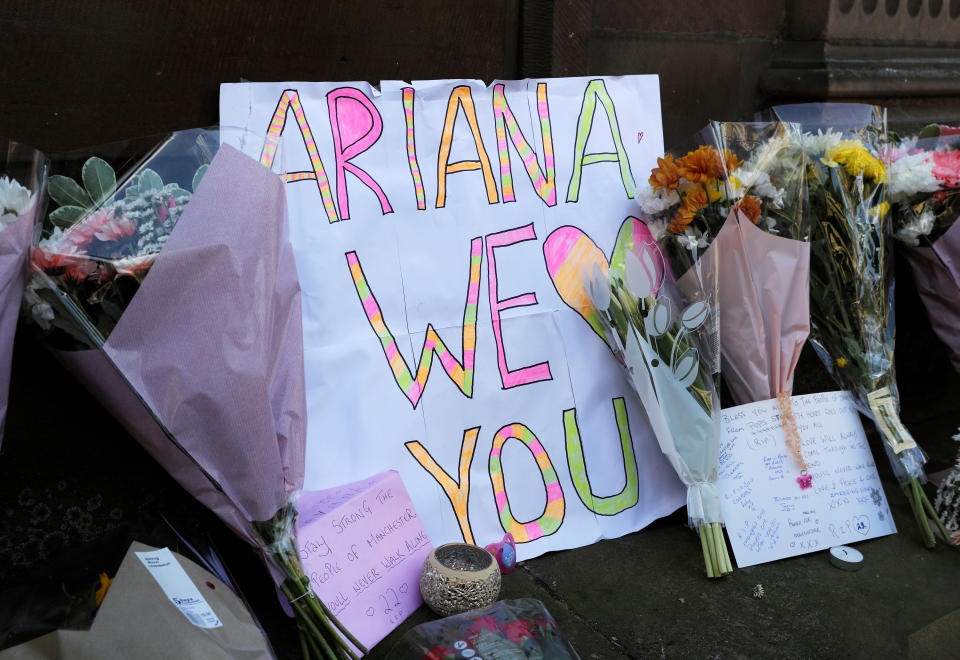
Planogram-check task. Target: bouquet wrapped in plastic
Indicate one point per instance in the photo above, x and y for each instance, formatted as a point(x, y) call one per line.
point(174, 298)
point(22, 178)
point(851, 280)
point(764, 260)
point(519, 629)
point(924, 196)
point(664, 331)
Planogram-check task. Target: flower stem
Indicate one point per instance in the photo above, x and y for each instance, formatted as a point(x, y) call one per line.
point(304, 649)
point(353, 640)
point(933, 513)
point(706, 552)
point(925, 534)
point(315, 635)
point(727, 565)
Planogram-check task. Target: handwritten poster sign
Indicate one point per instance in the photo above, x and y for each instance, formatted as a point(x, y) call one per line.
point(435, 225)
point(768, 515)
point(362, 546)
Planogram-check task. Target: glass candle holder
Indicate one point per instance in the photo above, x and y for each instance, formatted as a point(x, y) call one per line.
point(458, 577)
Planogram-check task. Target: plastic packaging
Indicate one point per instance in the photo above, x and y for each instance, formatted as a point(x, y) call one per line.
point(851, 280)
point(764, 259)
point(924, 204)
point(23, 173)
point(507, 630)
point(176, 302)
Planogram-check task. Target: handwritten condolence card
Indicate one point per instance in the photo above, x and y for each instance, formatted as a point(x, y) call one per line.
point(769, 515)
point(363, 546)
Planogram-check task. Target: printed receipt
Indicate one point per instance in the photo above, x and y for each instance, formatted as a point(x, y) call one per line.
point(767, 515)
point(179, 588)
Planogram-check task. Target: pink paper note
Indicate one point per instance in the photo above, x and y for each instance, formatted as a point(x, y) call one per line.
point(363, 547)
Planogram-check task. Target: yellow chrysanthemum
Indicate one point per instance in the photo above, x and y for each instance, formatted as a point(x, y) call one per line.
point(841, 362)
point(881, 209)
point(856, 160)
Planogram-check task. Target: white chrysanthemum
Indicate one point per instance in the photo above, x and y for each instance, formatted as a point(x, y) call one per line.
point(911, 232)
point(654, 202)
point(910, 175)
point(819, 143)
point(14, 198)
point(758, 184)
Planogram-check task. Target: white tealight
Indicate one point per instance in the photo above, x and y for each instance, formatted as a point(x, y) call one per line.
point(846, 558)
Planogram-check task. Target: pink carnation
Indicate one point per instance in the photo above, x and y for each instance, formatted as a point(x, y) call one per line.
point(49, 257)
point(134, 266)
point(115, 229)
point(946, 167)
point(82, 233)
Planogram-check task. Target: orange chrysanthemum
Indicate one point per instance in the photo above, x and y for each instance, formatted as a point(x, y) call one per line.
point(701, 165)
point(750, 207)
point(694, 200)
point(730, 160)
point(665, 176)
point(679, 223)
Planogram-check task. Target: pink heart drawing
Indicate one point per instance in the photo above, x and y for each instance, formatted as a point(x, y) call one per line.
point(571, 255)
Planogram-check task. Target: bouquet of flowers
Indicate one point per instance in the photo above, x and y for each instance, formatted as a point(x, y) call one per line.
point(851, 292)
point(170, 291)
point(924, 196)
point(22, 178)
point(764, 260)
point(519, 629)
point(664, 331)
point(688, 197)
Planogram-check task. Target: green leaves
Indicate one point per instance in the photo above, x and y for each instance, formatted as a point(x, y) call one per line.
point(197, 176)
point(65, 216)
point(67, 192)
point(98, 178)
point(99, 181)
point(150, 180)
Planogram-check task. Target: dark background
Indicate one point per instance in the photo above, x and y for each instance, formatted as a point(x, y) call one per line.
point(75, 488)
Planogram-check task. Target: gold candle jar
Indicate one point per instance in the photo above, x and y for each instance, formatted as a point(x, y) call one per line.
point(458, 577)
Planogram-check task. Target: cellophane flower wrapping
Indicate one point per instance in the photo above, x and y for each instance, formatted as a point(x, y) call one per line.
point(176, 301)
point(764, 259)
point(519, 629)
point(664, 330)
point(924, 195)
point(851, 282)
point(22, 179)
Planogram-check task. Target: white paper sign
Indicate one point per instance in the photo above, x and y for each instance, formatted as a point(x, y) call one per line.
point(434, 224)
point(767, 514)
point(179, 588)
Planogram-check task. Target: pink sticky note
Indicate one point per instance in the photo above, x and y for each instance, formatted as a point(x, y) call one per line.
point(363, 547)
